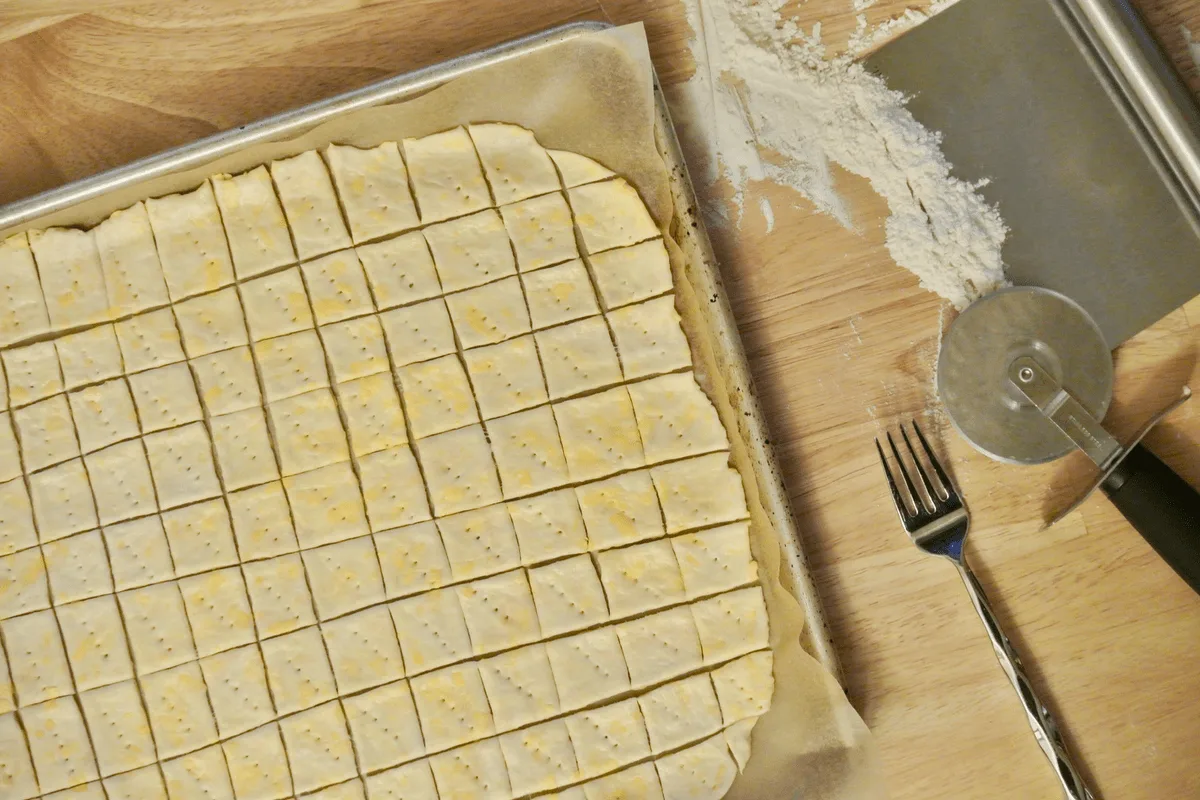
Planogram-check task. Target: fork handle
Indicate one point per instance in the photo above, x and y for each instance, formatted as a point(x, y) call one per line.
point(1045, 729)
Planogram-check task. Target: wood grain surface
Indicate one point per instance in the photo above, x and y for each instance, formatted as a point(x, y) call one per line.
point(842, 344)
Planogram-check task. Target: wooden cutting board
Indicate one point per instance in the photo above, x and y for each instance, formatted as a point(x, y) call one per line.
point(842, 343)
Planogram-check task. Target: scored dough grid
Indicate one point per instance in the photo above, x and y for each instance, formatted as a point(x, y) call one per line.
point(318, 456)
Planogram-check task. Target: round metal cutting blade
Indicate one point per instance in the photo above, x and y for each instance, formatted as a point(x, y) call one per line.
point(972, 371)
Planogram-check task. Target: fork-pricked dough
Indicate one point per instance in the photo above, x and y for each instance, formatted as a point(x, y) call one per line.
point(539, 757)
point(33, 373)
point(632, 274)
point(541, 230)
point(703, 771)
point(22, 307)
point(72, 279)
point(191, 242)
point(731, 624)
point(608, 737)
point(363, 650)
point(599, 434)
point(506, 377)
point(446, 175)
point(89, 356)
point(459, 470)
point(519, 686)
point(258, 235)
point(38, 663)
point(559, 294)
point(715, 559)
point(62, 754)
point(211, 322)
point(459, 688)
point(699, 491)
point(470, 251)
point(178, 707)
point(675, 418)
point(149, 340)
point(132, 272)
point(576, 170)
point(400, 270)
point(16, 519)
point(310, 204)
point(384, 726)
point(119, 728)
point(548, 526)
point(489, 314)
point(680, 712)
point(516, 165)
point(373, 187)
point(610, 214)
point(337, 287)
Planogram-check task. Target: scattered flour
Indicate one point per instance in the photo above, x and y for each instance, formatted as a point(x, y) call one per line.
point(766, 104)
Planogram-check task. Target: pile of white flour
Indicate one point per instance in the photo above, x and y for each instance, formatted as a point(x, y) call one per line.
point(764, 86)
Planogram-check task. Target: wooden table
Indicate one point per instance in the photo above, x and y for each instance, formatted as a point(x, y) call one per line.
point(842, 343)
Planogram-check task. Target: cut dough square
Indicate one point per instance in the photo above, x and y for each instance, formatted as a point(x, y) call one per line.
point(516, 165)
point(699, 492)
point(528, 452)
point(452, 706)
point(588, 667)
point(298, 670)
point(227, 381)
point(419, 332)
point(276, 304)
point(72, 280)
point(258, 236)
point(243, 446)
point(38, 662)
point(542, 231)
point(258, 766)
point(680, 712)
point(578, 357)
point(139, 553)
point(373, 187)
point(392, 489)
point(412, 559)
point(22, 307)
point(237, 686)
point(576, 170)
point(400, 270)
point(715, 560)
point(507, 376)
point(120, 476)
point(548, 526)
point(480, 542)
point(47, 432)
point(649, 338)
point(474, 772)
point(431, 630)
point(608, 737)
point(489, 314)
point(308, 432)
point(33, 373)
point(338, 287)
point(660, 646)
point(78, 568)
point(327, 505)
point(610, 214)
point(141, 784)
point(262, 522)
point(704, 770)
point(177, 702)
point(62, 501)
point(16, 519)
point(355, 348)
point(437, 396)
point(89, 356)
point(202, 775)
point(119, 728)
point(310, 204)
point(211, 322)
point(470, 251)
point(412, 781)
point(201, 537)
point(632, 274)
point(149, 340)
point(559, 294)
point(675, 418)
point(58, 741)
point(218, 610)
point(344, 576)
point(539, 758)
point(640, 578)
point(744, 687)
point(15, 764)
point(191, 242)
point(620, 510)
point(157, 626)
point(519, 686)
point(568, 596)
point(290, 365)
point(599, 434)
point(94, 636)
point(279, 595)
point(182, 465)
point(499, 611)
point(373, 414)
point(23, 586)
point(133, 275)
point(737, 738)
point(459, 470)
point(384, 727)
point(731, 624)
point(636, 783)
point(445, 175)
point(318, 747)
point(104, 415)
point(364, 651)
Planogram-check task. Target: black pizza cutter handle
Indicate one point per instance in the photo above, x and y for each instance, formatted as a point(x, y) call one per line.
point(1161, 506)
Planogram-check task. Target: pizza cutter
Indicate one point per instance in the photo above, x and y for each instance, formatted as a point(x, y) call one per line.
point(1026, 377)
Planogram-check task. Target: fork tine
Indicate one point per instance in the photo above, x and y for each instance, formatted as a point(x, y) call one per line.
point(901, 506)
point(934, 496)
point(951, 493)
point(918, 503)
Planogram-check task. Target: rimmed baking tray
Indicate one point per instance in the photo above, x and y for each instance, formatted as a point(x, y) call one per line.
point(686, 227)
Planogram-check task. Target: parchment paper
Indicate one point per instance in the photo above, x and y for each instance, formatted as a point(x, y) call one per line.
point(594, 95)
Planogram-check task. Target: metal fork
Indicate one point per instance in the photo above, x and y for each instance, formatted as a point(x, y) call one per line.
point(937, 523)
